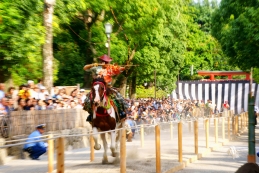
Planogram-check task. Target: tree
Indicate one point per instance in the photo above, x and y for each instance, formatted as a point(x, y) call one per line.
point(203, 51)
point(235, 25)
point(21, 38)
point(48, 45)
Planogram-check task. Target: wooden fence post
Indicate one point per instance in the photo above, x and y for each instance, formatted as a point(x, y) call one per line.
point(60, 155)
point(216, 130)
point(223, 128)
point(190, 126)
point(142, 135)
point(123, 151)
point(180, 144)
point(229, 128)
point(207, 132)
point(50, 153)
point(236, 124)
point(196, 132)
point(158, 154)
point(233, 127)
point(91, 147)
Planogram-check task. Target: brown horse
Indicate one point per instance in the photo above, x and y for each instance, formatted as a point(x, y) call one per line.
point(104, 118)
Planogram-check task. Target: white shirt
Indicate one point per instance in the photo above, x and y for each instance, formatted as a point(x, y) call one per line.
point(2, 94)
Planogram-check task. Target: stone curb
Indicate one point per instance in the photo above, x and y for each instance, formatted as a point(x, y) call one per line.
point(186, 162)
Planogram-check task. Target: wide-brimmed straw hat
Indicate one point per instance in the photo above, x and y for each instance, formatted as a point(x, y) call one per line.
point(105, 58)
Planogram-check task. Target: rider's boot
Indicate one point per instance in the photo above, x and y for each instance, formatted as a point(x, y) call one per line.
point(122, 114)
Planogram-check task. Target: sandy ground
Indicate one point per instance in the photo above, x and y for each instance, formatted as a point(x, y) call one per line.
point(139, 159)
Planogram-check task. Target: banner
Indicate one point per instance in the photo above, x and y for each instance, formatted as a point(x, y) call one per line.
point(234, 91)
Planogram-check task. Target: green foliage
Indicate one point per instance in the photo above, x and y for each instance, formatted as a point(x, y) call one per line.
point(21, 37)
point(150, 92)
point(235, 25)
point(202, 50)
point(167, 36)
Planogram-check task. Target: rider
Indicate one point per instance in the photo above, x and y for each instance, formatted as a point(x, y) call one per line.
point(105, 70)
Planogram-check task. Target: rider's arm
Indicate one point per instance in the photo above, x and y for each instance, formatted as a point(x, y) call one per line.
point(89, 66)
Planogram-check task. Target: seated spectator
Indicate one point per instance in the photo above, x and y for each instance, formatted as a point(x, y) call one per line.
point(10, 92)
point(11, 105)
point(42, 93)
point(24, 92)
point(28, 105)
point(50, 104)
point(35, 92)
point(4, 109)
point(2, 93)
point(36, 149)
point(39, 84)
point(21, 104)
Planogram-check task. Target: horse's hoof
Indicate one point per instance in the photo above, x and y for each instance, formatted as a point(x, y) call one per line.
point(98, 147)
point(114, 154)
point(116, 161)
point(105, 162)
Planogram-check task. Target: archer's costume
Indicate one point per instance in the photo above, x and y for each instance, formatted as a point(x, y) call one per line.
point(106, 72)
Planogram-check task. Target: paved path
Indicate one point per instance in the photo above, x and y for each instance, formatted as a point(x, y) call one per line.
point(219, 161)
point(142, 160)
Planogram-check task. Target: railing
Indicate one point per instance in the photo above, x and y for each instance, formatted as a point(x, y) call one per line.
point(24, 122)
point(239, 123)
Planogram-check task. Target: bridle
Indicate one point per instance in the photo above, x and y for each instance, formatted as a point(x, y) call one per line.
point(104, 87)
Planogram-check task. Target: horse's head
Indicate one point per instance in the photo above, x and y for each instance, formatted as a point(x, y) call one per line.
point(98, 91)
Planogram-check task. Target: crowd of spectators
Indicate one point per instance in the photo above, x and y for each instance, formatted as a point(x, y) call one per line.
point(33, 96)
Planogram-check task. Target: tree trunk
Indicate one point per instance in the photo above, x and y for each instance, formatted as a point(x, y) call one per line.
point(123, 84)
point(133, 86)
point(48, 45)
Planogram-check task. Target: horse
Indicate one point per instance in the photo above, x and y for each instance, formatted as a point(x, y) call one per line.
point(104, 119)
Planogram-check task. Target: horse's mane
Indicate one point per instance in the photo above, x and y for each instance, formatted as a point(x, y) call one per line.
point(100, 79)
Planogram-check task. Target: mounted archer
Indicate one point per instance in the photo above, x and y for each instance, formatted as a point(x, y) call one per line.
point(104, 70)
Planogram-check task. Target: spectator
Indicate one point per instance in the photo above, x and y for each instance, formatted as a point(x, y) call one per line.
point(21, 104)
point(28, 105)
point(132, 124)
point(42, 93)
point(50, 104)
point(4, 109)
point(40, 83)
point(10, 92)
point(83, 95)
point(2, 93)
point(24, 92)
point(11, 105)
point(36, 149)
point(129, 133)
point(73, 94)
point(36, 93)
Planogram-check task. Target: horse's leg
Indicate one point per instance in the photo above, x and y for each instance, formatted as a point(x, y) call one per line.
point(95, 136)
point(105, 158)
point(113, 149)
point(118, 137)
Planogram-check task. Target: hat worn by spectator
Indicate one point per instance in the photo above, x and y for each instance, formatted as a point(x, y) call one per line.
point(41, 126)
point(42, 87)
point(82, 90)
point(30, 81)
